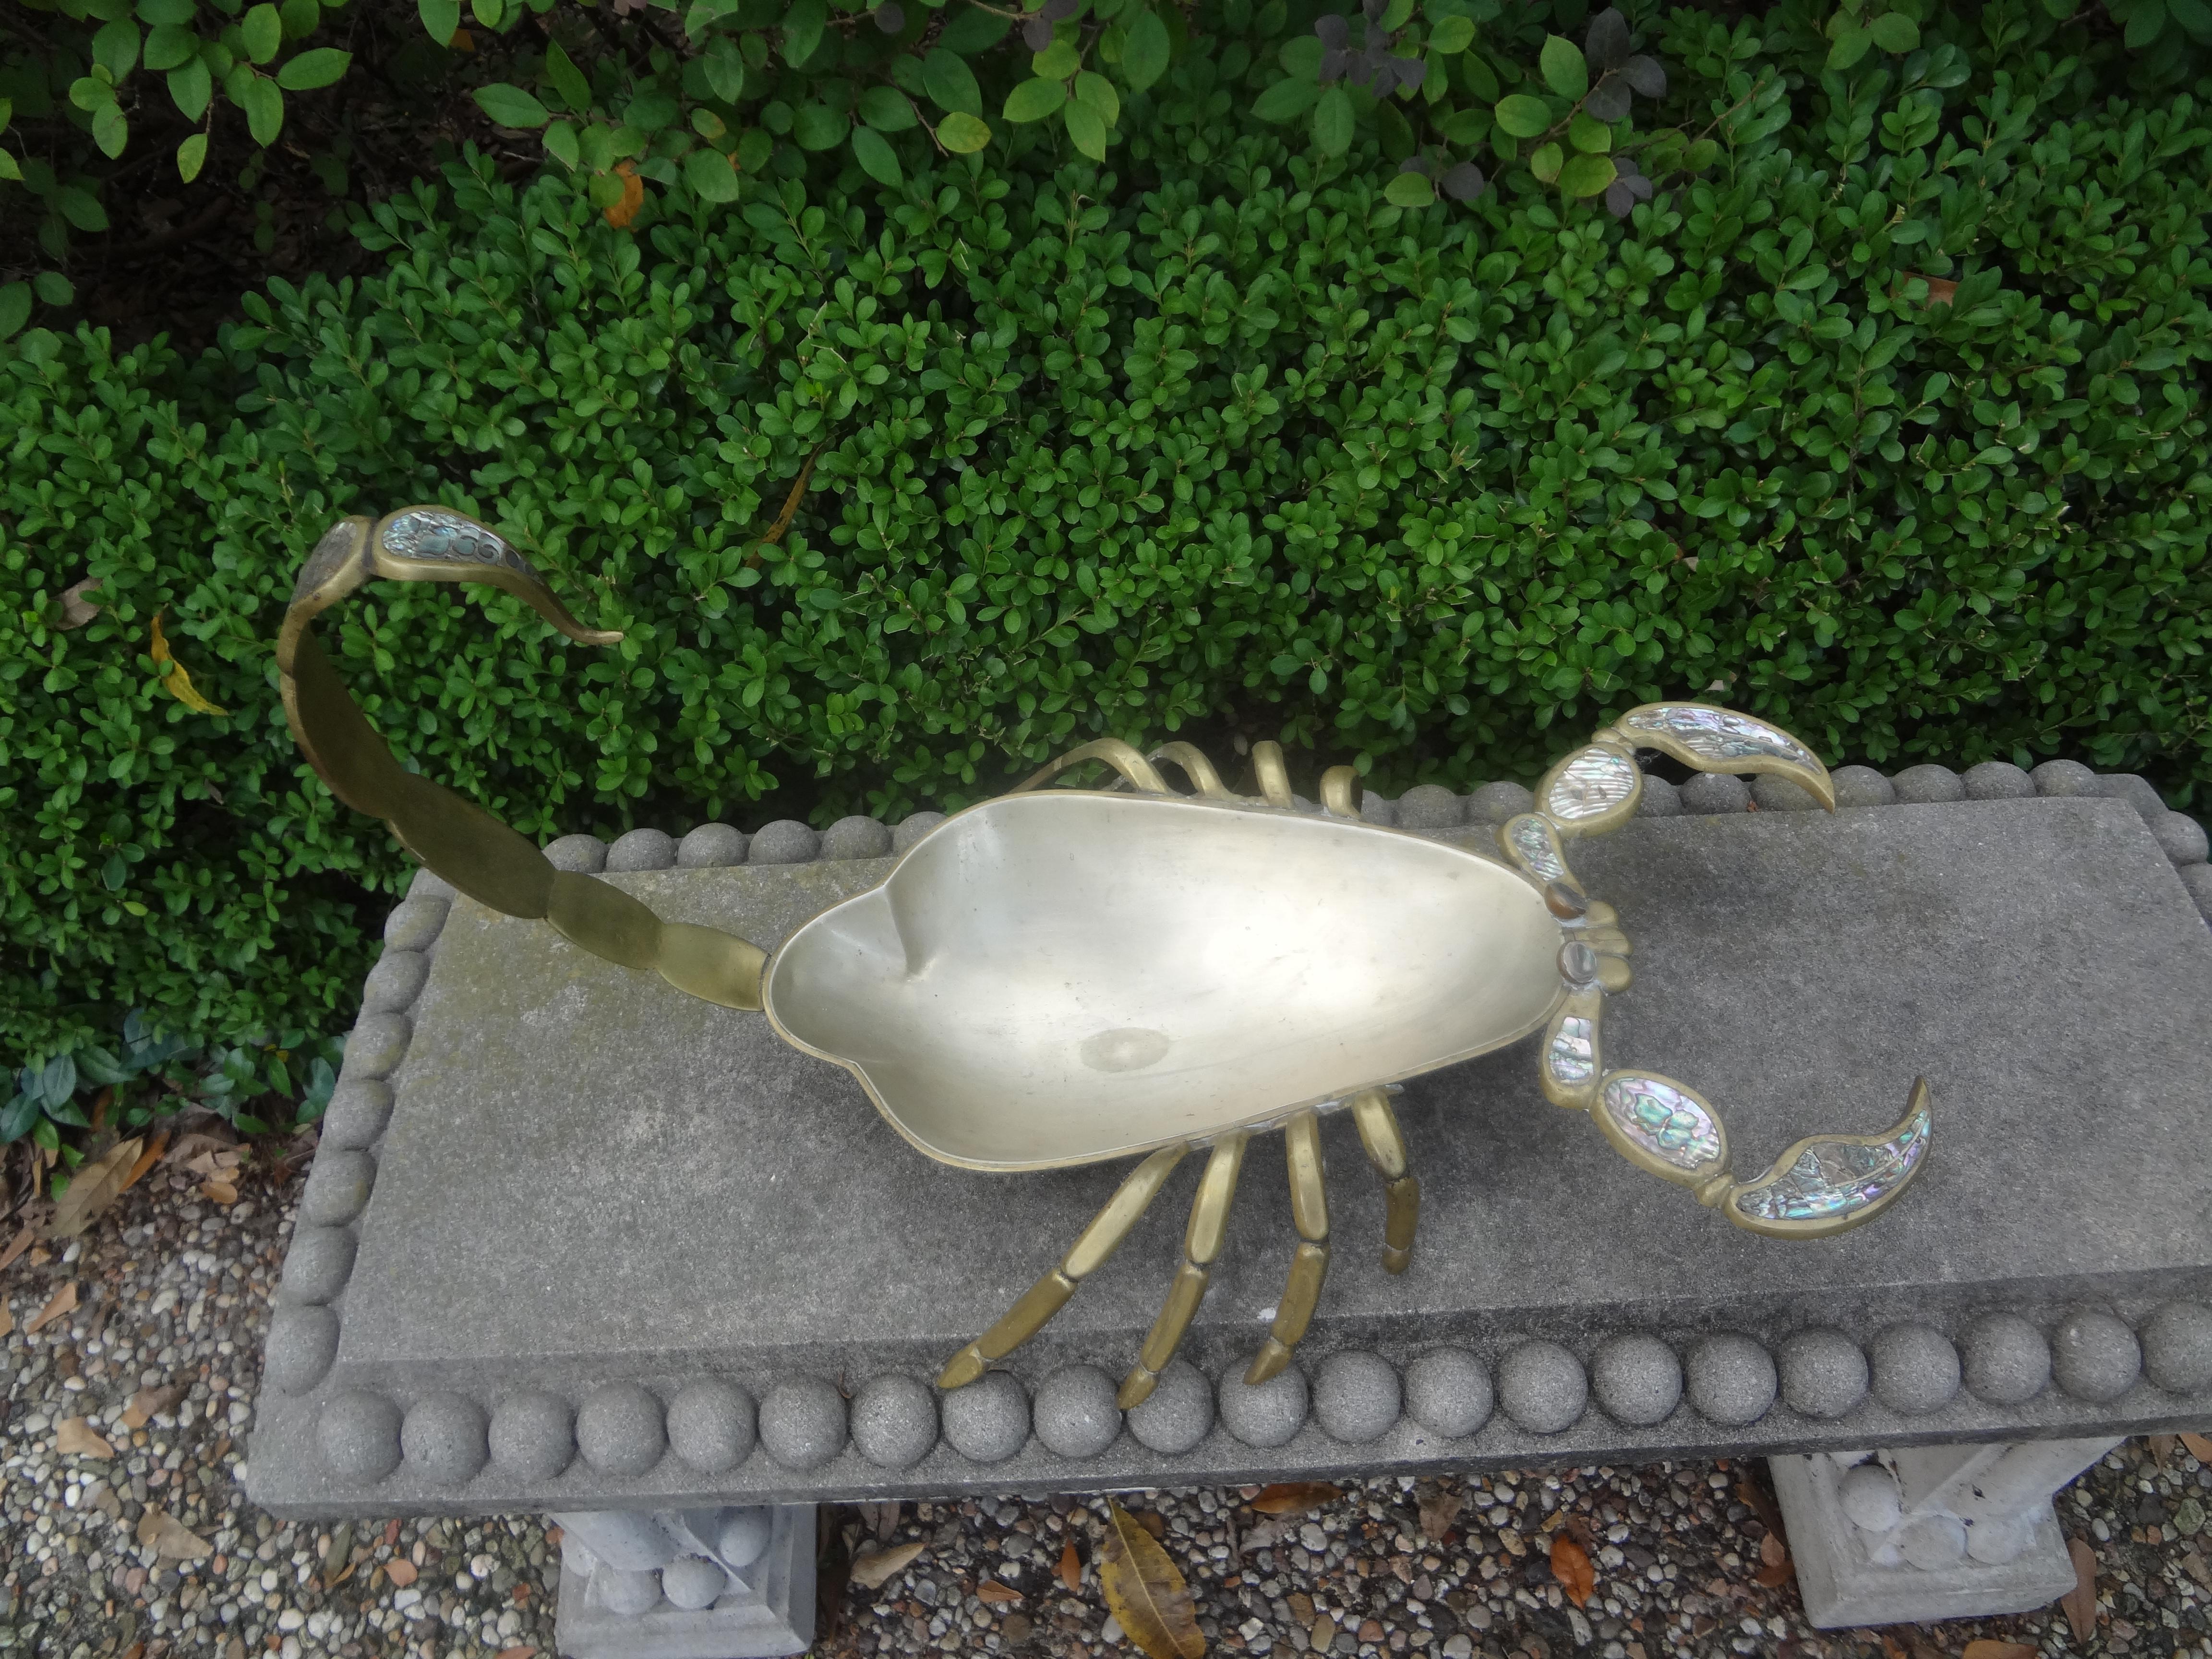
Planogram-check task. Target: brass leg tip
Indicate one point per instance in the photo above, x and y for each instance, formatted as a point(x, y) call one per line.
point(962, 1369)
point(1268, 1363)
point(1395, 1260)
point(1136, 1388)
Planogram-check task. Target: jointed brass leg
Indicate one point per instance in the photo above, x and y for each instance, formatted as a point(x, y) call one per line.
point(1310, 1209)
point(1209, 1220)
point(1050, 1294)
point(1386, 1150)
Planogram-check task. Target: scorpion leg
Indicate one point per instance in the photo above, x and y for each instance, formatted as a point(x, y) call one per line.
point(1386, 1150)
point(1050, 1294)
point(1209, 1219)
point(1309, 1209)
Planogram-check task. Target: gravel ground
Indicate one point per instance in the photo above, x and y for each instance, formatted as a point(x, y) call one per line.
point(141, 1545)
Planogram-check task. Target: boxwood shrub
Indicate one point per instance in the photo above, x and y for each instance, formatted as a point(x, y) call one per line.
point(1890, 425)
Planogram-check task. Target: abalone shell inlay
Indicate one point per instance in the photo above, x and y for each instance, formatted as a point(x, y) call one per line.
point(1720, 734)
point(427, 533)
point(1591, 784)
point(1573, 1054)
point(1663, 1120)
point(1834, 1178)
point(1536, 844)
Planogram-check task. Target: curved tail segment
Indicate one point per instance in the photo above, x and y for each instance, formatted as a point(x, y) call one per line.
point(455, 838)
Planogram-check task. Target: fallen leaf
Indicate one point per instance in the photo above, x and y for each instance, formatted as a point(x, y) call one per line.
point(190, 1146)
point(2161, 1447)
point(1001, 1595)
point(1771, 1550)
point(1942, 290)
point(1296, 1497)
point(16, 1246)
point(1301, 1608)
point(400, 1570)
point(1773, 1573)
point(2199, 1446)
point(7, 1320)
point(1016, 1628)
point(147, 1160)
point(2081, 1602)
point(174, 680)
point(1570, 1565)
point(167, 1536)
point(878, 1567)
point(1440, 1509)
point(633, 197)
point(520, 1651)
point(1144, 1590)
point(462, 40)
point(1983, 1648)
point(75, 1434)
point(62, 1303)
point(76, 609)
point(150, 1403)
point(1071, 1569)
point(92, 1188)
point(219, 1192)
point(1754, 1495)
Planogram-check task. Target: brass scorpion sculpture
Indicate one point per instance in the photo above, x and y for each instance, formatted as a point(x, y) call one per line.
point(1064, 976)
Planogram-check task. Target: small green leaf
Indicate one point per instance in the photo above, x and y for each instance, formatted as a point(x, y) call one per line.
point(89, 93)
point(192, 156)
point(1474, 74)
point(110, 130)
point(1286, 100)
point(1086, 129)
point(301, 18)
point(9, 167)
point(1301, 56)
point(440, 18)
point(1547, 161)
point(962, 133)
point(1466, 127)
point(973, 30)
point(952, 83)
point(726, 72)
point(1588, 134)
point(1097, 91)
point(165, 14)
point(190, 88)
point(14, 309)
point(802, 32)
point(115, 48)
point(263, 31)
point(1332, 122)
point(711, 177)
point(1057, 61)
point(754, 148)
point(1522, 115)
point(818, 126)
point(1409, 189)
point(1894, 32)
point(320, 66)
point(511, 106)
point(488, 12)
point(1032, 100)
point(1145, 55)
point(876, 156)
point(1565, 70)
point(1453, 35)
point(576, 92)
point(1850, 47)
point(1586, 175)
point(56, 289)
point(561, 145)
point(168, 45)
point(264, 110)
point(887, 110)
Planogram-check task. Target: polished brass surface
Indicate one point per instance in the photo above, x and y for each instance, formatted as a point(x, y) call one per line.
point(1063, 976)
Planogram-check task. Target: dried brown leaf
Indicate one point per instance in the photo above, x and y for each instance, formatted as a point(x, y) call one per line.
point(2199, 1446)
point(167, 1536)
point(150, 1403)
point(188, 1147)
point(1440, 1509)
point(77, 1435)
point(1071, 1569)
point(1570, 1565)
point(1773, 1573)
point(147, 1160)
point(2080, 1603)
point(1770, 1552)
point(76, 609)
point(2161, 1447)
point(1144, 1592)
point(633, 197)
point(94, 1187)
point(16, 1246)
point(7, 1320)
point(997, 1593)
point(1983, 1648)
point(174, 680)
point(1296, 1497)
point(878, 1567)
point(219, 1192)
point(59, 1305)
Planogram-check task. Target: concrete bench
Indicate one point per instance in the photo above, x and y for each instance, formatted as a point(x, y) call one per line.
point(574, 1243)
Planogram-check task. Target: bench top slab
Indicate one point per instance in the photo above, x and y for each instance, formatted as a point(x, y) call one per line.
point(588, 1177)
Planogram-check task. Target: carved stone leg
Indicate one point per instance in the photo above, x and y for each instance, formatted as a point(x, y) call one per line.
point(1939, 1532)
point(735, 1583)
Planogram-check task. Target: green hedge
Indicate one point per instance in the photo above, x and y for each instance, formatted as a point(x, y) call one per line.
point(1224, 440)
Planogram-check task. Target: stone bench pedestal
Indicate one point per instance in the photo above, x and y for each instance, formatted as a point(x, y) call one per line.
point(733, 1582)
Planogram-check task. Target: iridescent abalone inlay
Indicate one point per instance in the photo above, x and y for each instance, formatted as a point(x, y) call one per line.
point(1834, 1178)
point(1536, 845)
point(1591, 785)
point(1720, 734)
point(1573, 1054)
point(427, 533)
point(1663, 1120)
